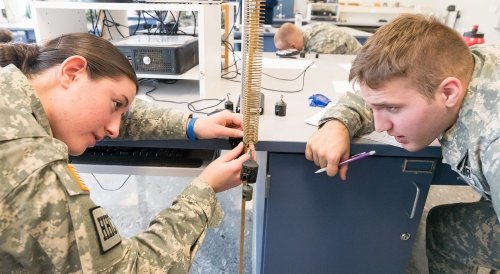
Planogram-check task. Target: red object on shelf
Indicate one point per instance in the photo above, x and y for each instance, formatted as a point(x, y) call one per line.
point(474, 37)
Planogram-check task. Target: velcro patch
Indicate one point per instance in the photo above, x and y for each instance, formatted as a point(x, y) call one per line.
point(107, 233)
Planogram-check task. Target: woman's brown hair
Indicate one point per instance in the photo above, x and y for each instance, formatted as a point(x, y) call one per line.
point(103, 59)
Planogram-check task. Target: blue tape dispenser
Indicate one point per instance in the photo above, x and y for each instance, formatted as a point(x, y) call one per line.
point(318, 100)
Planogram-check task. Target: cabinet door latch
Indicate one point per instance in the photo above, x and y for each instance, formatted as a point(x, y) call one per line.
point(419, 166)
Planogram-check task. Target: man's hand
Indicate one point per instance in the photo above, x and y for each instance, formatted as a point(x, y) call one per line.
point(328, 146)
point(220, 125)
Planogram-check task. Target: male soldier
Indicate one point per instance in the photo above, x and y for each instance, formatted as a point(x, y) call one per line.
point(419, 82)
point(316, 37)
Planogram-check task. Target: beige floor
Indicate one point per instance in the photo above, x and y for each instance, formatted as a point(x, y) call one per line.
point(437, 195)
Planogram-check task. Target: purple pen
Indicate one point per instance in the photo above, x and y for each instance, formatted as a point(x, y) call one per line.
point(352, 159)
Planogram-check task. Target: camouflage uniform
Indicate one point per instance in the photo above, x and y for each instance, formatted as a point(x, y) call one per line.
point(49, 224)
point(472, 148)
point(328, 38)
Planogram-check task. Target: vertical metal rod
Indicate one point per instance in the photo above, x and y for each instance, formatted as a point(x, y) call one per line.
point(242, 233)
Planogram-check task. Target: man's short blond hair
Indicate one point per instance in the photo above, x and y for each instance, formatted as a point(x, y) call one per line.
point(286, 35)
point(415, 47)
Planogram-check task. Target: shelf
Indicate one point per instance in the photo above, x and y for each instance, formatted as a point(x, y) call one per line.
point(369, 15)
point(322, 11)
point(376, 10)
point(192, 74)
point(52, 19)
point(184, 6)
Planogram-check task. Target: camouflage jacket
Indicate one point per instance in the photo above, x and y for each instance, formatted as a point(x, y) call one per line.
point(472, 145)
point(49, 224)
point(328, 38)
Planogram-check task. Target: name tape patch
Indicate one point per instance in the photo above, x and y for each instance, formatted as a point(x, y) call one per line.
point(107, 233)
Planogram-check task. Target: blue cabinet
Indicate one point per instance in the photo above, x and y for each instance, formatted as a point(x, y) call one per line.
point(320, 224)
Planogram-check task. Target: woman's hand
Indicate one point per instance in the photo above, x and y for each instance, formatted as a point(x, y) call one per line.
point(328, 146)
point(220, 125)
point(224, 173)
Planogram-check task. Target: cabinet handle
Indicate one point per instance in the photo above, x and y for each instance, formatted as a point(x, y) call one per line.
point(415, 202)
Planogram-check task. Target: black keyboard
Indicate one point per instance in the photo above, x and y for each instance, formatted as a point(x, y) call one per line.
point(134, 156)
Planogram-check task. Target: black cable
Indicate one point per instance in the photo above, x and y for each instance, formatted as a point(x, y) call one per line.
point(153, 17)
point(109, 189)
point(235, 63)
point(234, 23)
point(160, 19)
point(290, 91)
point(94, 24)
point(114, 24)
point(153, 86)
point(303, 74)
point(138, 24)
point(104, 25)
point(289, 79)
point(175, 27)
point(190, 105)
point(194, 18)
point(95, 28)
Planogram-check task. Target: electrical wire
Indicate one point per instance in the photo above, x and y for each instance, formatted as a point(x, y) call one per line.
point(194, 18)
point(110, 189)
point(303, 74)
point(231, 47)
point(234, 23)
point(235, 64)
point(160, 28)
point(192, 105)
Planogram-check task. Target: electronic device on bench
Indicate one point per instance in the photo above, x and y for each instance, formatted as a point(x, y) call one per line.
point(287, 52)
point(160, 54)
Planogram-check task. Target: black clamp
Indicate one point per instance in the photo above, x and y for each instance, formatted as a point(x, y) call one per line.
point(229, 104)
point(280, 107)
point(249, 176)
point(249, 171)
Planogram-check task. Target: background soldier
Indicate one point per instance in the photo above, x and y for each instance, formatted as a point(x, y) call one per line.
point(316, 37)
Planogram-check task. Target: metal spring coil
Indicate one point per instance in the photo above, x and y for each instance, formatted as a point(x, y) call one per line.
point(252, 69)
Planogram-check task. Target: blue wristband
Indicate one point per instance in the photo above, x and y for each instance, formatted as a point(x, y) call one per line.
point(190, 129)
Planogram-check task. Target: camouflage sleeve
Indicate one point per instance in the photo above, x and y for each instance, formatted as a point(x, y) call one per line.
point(148, 121)
point(36, 227)
point(48, 221)
point(178, 231)
point(329, 39)
point(336, 41)
point(352, 111)
point(174, 235)
point(491, 169)
point(352, 44)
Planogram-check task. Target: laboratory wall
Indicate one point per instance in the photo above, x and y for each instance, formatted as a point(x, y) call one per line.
point(485, 13)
